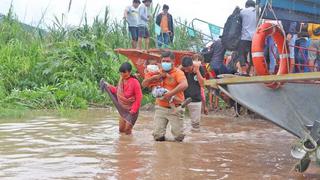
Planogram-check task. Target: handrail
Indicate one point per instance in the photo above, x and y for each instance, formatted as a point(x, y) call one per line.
point(206, 22)
point(263, 79)
point(193, 29)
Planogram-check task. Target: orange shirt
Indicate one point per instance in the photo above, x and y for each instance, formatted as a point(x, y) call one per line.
point(176, 77)
point(164, 24)
point(148, 75)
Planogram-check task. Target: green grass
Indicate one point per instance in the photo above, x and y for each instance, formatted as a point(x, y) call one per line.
point(60, 69)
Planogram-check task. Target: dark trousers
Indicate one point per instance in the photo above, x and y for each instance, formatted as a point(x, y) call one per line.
point(244, 50)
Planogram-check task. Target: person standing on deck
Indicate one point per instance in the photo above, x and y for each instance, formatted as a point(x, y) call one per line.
point(127, 97)
point(194, 73)
point(174, 80)
point(144, 17)
point(291, 29)
point(314, 33)
point(165, 21)
point(131, 15)
point(249, 23)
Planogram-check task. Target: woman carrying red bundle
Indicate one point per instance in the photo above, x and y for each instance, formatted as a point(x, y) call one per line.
point(127, 97)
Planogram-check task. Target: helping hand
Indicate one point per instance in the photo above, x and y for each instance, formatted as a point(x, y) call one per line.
point(196, 67)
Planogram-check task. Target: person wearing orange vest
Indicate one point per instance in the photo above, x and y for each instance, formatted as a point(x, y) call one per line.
point(174, 80)
point(314, 33)
point(165, 21)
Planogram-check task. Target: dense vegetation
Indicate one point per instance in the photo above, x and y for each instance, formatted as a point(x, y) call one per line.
point(60, 68)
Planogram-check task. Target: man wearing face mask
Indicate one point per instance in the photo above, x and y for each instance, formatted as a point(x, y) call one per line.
point(174, 80)
point(194, 73)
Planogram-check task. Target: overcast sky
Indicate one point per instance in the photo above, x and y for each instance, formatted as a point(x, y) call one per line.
point(30, 11)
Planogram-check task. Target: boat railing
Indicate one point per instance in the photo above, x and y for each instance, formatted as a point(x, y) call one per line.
point(301, 63)
point(215, 31)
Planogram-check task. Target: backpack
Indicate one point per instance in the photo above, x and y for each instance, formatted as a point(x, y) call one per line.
point(231, 34)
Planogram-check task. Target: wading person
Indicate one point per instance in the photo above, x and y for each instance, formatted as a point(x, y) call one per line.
point(126, 97)
point(131, 15)
point(144, 17)
point(199, 58)
point(165, 21)
point(194, 73)
point(157, 91)
point(174, 80)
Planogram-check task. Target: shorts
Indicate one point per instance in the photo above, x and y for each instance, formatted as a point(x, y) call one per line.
point(143, 32)
point(134, 31)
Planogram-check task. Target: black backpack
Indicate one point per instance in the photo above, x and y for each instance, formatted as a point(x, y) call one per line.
point(231, 35)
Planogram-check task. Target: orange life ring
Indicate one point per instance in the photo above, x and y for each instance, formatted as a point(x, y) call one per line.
point(258, 45)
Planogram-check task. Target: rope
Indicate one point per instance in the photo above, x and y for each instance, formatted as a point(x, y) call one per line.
point(303, 48)
point(304, 57)
point(300, 49)
point(260, 19)
point(282, 30)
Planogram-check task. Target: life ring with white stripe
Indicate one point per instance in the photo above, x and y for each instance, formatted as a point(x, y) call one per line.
point(258, 45)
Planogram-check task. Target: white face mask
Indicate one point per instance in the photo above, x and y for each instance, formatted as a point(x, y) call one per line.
point(152, 68)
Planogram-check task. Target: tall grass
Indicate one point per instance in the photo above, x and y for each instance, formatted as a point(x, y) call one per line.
point(61, 67)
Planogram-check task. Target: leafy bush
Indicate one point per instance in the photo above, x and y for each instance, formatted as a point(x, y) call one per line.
point(61, 68)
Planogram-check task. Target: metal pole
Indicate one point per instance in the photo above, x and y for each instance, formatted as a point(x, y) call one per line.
point(231, 79)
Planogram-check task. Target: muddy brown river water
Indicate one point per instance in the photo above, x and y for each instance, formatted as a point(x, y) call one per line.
point(89, 147)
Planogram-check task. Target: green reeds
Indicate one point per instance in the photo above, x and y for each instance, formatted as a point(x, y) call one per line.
point(61, 67)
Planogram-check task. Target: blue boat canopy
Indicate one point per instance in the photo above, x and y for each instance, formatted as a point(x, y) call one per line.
point(293, 10)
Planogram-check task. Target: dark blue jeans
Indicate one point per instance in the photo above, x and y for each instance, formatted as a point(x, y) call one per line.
point(163, 39)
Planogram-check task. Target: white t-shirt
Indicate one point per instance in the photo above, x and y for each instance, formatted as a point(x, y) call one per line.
point(249, 23)
point(133, 16)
